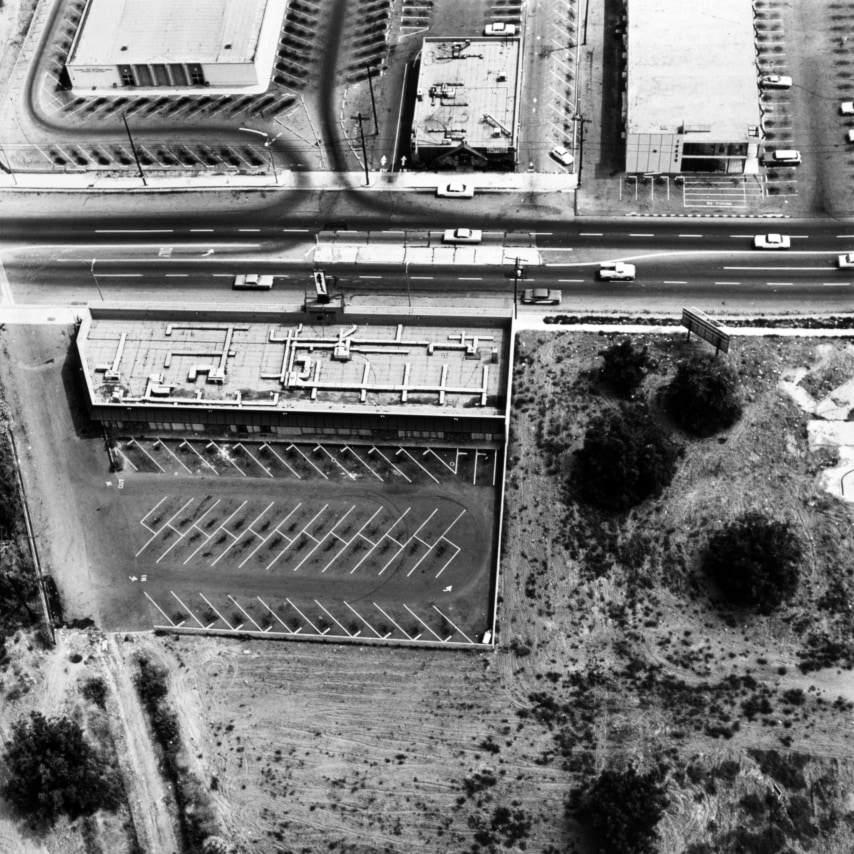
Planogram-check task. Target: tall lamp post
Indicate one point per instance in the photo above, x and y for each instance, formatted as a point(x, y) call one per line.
point(518, 273)
point(133, 149)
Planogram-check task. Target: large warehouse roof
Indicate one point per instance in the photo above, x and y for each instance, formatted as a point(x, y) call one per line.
point(467, 93)
point(693, 65)
point(117, 32)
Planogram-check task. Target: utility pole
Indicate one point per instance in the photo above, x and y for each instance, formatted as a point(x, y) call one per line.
point(581, 122)
point(373, 102)
point(360, 118)
point(518, 273)
point(133, 149)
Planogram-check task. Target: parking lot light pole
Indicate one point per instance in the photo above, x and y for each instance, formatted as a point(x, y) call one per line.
point(373, 102)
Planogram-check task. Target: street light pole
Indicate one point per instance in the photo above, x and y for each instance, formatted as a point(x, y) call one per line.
point(360, 118)
point(373, 102)
point(133, 149)
point(95, 278)
point(408, 288)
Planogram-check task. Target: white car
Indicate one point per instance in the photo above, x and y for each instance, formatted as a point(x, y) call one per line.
point(782, 157)
point(541, 296)
point(846, 260)
point(500, 29)
point(776, 81)
point(849, 137)
point(846, 108)
point(253, 282)
point(562, 156)
point(772, 241)
point(462, 235)
point(455, 191)
point(617, 271)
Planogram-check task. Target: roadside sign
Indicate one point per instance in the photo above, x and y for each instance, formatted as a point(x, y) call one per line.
point(321, 286)
point(706, 328)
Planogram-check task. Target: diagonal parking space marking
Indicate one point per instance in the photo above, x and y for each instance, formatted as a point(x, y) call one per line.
point(208, 537)
point(359, 534)
point(277, 617)
point(251, 526)
point(316, 630)
point(377, 475)
point(451, 468)
point(362, 619)
point(171, 454)
point(452, 623)
point(378, 451)
point(477, 454)
point(163, 527)
point(204, 461)
point(126, 458)
point(450, 559)
point(422, 622)
point(387, 535)
point(332, 617)
point(413, 536)
point(428, 473)
point(284, 462)
point(253, 458)
point(189, 610)
point(436, 543)
point(225, 456)
point(226, 531)
point(271, 534)
point(142, 521)
point(245, 613)
point(291, 541)
point(211, 606)
point(138, 445)
point(310, 462)
point(392, 621)
point(337, 463)
point(329, 533)
point(166, 616)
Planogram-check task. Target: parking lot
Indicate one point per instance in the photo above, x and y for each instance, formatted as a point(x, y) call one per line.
point(310, 539)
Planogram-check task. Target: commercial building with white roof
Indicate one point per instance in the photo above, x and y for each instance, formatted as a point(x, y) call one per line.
point(207, 45)
point(467, 103)
point(692, 95)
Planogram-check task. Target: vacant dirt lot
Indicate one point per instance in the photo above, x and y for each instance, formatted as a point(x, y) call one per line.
point(613, 650)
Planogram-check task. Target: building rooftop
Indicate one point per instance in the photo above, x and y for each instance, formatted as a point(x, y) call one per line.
point(692, 65)
point(117, 32)
point(229, 363)
point(467, 93)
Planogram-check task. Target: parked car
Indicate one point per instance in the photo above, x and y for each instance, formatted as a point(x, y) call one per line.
point(462, 235)
point(499, 29)
point(541, 296)
point(782, 157)
point(617, 271)
point(772, 241)
point(455, 191)
point(846, 108)
point(846, 260)
point(849, 137)
point(775, 81)
point(253, 282)
point(562, 156)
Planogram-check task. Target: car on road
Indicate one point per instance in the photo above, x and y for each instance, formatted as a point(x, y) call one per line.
point(253, 282)
point(846, 108)
point(775, 81)
point(562, 156)
point(617, 271)
point(462, 235)
point(499, 29)
point(455, 190)
point(782, 157)
point(772, 241)
point(846, 260)
point(849, 137)
point(541, 296)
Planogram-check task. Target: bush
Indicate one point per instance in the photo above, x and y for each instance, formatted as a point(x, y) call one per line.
point(624, 366)
point(625, 459)
point(95, 690)
point(755, 561)
point(703, 396)
point(53, 771)
point(623, 808)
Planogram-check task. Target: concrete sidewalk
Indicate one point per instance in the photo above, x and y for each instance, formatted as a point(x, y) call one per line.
point(487, 182)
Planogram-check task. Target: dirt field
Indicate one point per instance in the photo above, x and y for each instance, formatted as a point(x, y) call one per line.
point(612, 648)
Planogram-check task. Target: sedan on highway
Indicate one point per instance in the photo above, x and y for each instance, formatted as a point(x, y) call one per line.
point(462, 235)
point(775, 81)
point(455, 191)
point(541, 296)
point(772, 241)
point(846, 108)
point(617, 271)
point(846, 260)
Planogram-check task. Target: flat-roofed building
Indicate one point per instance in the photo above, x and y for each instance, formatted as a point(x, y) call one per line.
point(692, 99)
point(208, 45)
point(467, 104)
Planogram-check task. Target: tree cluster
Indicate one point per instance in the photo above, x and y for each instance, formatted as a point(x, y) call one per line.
point(703, 396)
point(626, 457)
point(755, 561)
point(52, 770)
point(623, 809)
point(624, 365)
